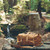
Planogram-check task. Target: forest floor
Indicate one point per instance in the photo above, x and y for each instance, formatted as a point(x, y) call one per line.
point(4, 41)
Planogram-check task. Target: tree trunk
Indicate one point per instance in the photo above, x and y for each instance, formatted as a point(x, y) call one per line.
point(11, 2)
point(39, 9)
point(15, 2)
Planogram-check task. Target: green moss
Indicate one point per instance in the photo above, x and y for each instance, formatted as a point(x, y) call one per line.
point(20, 27)
point(14, 27)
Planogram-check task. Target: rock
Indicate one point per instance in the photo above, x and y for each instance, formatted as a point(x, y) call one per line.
point(2, 42)
point(46, 37)
point(4, 45)
point(7, 47)
point(10, 40)
point(43, 13)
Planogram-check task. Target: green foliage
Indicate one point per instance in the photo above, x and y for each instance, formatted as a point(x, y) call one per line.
point(0, 33)
point(22, 18)
point(47, 26)
point(6, 5)
point(20, 27)
point(1, 6)
point(0, 24)
point(48, 14)
point(34, 4)
point(10, 11)
point(46, 4)
point(20, 10)
point(14, 27)
point(18, 0)
point(0, 18)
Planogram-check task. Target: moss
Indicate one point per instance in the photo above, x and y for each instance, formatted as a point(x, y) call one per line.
point(20, 27)
point(14, 27)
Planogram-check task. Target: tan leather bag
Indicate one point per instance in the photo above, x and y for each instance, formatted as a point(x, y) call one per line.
point(29, 39)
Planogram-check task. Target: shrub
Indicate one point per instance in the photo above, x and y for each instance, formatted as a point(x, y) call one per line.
point(0, 18)
point(0, 33)
point(1, 6)
point(47, 26)
point(6, 5)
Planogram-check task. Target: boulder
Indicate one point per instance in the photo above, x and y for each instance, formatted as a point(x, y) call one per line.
point(46, 37)
point(7, 47)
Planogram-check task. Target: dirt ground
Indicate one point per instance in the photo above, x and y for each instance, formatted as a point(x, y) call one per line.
point(2, 42)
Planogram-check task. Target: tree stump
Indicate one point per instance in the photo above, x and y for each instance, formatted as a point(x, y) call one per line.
point(34, 21)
